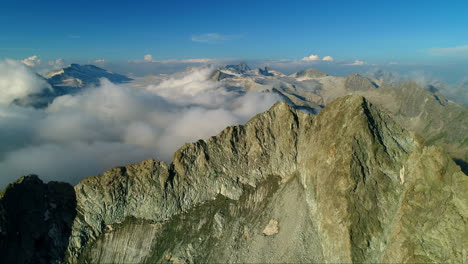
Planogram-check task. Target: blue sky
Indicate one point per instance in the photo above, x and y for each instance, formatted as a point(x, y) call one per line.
point(372, 31)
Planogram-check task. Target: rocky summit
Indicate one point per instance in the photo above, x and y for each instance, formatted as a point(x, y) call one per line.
point(349, 185)
point(422, 109)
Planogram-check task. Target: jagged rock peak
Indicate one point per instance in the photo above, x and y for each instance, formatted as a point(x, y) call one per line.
point(35, 220)
point(240, 68)
point(348, 185)
point(357, 82)
point(265, 71)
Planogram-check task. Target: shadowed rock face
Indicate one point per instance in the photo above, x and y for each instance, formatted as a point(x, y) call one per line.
point(356, 82)
point(239, 68)
point(348, 185)
point(35, 221)
point(82, 75)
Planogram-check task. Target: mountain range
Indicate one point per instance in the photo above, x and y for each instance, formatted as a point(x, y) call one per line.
point(347, 186)
point(423, 110)
point(69, 80)
point(343, 170)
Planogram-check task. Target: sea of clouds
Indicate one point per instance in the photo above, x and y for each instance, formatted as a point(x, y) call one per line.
point(110, 125)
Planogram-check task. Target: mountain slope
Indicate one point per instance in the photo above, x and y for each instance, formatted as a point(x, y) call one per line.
point(82, 75)
point(424, 111)
point(348, 185)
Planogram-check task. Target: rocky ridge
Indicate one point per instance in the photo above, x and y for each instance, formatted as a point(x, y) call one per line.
point(425, 111)
point(349, 185)
point(35, 220)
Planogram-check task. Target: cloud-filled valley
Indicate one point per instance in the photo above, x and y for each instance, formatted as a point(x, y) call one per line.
point(112, 124)
point(108, 124)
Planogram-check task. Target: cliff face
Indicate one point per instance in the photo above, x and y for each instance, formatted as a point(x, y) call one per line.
point(439, 121)
point(425, 111)
point(348, 185)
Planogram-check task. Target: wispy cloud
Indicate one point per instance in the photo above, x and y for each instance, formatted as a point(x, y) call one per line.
point(449, 51)
point(56, 63)
point(149, 58)
point(212, 38)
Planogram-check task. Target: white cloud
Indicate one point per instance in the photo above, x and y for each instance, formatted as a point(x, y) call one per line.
point(357, 63)
point(17, 81)
point(311, 58)
point(99, 61)
point(112, 125)
point(328, 58)
point(450, 51)
point(31, 61)
point(148, 58)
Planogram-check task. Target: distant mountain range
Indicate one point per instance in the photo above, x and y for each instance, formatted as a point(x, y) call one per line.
point(70, 80)
point(422, 110)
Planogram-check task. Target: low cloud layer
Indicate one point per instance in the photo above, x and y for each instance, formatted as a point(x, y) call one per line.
point(17, 81)
point(111, 125)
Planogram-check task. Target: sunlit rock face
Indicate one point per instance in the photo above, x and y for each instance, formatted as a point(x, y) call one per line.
point(423, 110)
point(346, 186)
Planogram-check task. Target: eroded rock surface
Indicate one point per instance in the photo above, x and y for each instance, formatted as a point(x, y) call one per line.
point(346, 186)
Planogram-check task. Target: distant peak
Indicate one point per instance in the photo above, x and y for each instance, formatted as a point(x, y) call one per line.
point(265, 71)
point(357, 82)
point(32, 178)
point(239, 68)
point(310, 73)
